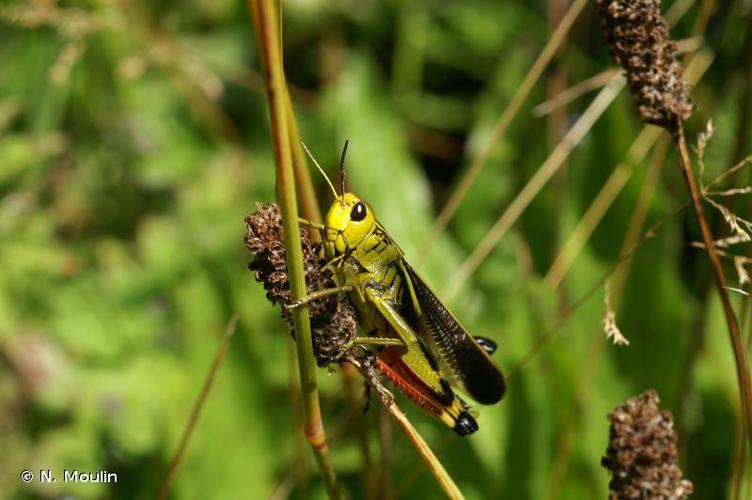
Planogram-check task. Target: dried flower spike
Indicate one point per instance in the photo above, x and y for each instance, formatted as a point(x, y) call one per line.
point(640, 43)
point(333, 320)
point(642, 454)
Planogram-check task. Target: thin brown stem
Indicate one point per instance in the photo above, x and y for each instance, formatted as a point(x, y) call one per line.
point(719, 277)
point(598, 342)
point(164, 488)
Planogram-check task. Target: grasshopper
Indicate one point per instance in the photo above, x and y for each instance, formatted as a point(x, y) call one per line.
point(419, 345)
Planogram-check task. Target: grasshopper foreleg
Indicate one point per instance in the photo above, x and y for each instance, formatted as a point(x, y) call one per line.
point(308, 223)
point(318, 294)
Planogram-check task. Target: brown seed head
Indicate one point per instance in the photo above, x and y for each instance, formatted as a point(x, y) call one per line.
point(333, 319)
point(641, 454)
point(640, 43)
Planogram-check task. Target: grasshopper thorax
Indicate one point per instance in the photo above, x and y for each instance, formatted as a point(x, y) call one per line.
point(348, 221)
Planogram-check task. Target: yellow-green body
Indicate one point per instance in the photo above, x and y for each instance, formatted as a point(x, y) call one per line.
point(423, 349)
point(375, 270)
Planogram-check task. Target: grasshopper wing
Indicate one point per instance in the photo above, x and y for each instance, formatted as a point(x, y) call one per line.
point(469, 365)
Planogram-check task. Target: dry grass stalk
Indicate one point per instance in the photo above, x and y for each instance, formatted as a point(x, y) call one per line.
point(640, 44)
point(550, 166)
point(505, 120)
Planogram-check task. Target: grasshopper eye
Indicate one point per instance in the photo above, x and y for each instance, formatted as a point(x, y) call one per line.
point(358, 212)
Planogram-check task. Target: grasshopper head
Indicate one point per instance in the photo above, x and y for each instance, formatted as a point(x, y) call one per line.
point(349, 220)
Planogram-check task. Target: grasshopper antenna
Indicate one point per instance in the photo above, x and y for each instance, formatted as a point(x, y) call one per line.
point(342, 166)
point(320, 169)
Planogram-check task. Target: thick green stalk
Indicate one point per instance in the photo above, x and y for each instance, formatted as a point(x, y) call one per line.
point(265, 20)
point(309, 205)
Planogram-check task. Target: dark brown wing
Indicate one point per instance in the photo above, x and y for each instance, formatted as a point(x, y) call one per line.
point(469, 366)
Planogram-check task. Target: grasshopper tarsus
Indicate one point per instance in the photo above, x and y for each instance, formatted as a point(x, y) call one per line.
point(318, 294)
point(486, 344)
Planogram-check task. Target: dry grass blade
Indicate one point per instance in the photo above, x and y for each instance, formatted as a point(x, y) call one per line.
point(549, 167)
point(164, 488)
point(577, 90)
point(433, 463)
point(587, 224)
point(631, 243)
point(417, 441)
point(613, 186)
point(548, 52)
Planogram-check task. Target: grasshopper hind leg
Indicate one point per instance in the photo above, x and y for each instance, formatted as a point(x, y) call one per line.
point(486, 344)
point(465, 424)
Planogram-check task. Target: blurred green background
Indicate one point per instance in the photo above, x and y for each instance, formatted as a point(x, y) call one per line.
point(134, 138)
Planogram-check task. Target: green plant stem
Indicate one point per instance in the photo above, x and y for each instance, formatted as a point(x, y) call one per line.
point(311, 210)
point(309, 205)
point(742, 372)
point(265, 19)
point(299, 452)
